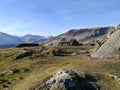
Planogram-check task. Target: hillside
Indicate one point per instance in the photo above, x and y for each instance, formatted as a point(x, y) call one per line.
point(87, 35)
point(28, 67)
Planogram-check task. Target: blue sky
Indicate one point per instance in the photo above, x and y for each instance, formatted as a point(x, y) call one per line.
point(52, 17)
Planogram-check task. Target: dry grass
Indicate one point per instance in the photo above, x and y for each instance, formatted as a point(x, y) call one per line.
point(31, 71)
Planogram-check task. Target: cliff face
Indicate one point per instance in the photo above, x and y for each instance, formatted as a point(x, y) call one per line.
point(86, 35)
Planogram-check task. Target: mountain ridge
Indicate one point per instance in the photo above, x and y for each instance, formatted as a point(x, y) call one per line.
point(84, 35)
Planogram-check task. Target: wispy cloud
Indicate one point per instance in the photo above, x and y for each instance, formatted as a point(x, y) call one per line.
point(17, 28)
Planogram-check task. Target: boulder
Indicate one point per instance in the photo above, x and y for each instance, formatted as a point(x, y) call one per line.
point(67, 79)
point(110, 48)
point(63, 80)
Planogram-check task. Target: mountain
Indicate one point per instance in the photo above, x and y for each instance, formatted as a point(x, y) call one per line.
point(7, 40)
point(111, 47)
point(32, 38)
point(86, 35)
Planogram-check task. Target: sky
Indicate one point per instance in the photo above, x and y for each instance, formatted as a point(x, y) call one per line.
point(52, 17)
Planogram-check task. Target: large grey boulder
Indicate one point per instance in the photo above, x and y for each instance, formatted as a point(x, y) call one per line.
point(110, 48)
point(67, 79)
point(63, 80)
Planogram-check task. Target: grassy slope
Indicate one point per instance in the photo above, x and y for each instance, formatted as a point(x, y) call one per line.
point(27, 73)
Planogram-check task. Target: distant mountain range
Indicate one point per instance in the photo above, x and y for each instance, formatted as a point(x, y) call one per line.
point(7, 40)
point(86, 35)
point(33, 38)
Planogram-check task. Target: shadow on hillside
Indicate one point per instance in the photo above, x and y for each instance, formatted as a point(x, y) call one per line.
point(23, 55)
point(62, 53)
point(88, 83)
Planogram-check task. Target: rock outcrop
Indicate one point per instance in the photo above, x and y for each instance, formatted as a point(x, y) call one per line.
point(66, 79)
point(63, 80)
point(111, 47)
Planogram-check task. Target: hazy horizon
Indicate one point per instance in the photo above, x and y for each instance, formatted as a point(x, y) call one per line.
point(52, 17)
point(58, 33)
